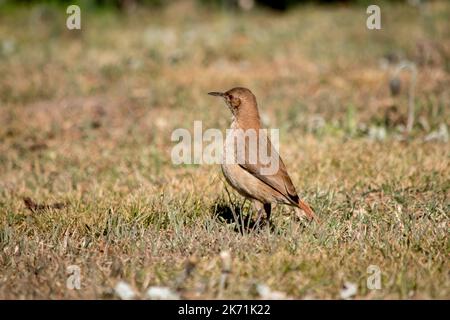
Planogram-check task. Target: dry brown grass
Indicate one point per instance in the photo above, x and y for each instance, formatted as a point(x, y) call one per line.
point(86, 118)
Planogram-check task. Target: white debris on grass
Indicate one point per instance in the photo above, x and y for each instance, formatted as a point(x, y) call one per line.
point(439, 135)
point(124, 291)
point(377, 133)
point(162, 293)
point(225, 257)
point(350, 289)
point(268, 294)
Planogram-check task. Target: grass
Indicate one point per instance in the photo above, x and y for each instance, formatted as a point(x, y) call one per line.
point(86, 119)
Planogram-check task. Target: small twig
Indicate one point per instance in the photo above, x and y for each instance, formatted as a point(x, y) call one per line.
point(33, 206)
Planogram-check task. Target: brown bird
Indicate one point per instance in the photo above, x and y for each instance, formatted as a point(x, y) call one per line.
point(250, 175)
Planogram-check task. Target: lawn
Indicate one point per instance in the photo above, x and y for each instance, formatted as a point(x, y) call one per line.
point(86, 177)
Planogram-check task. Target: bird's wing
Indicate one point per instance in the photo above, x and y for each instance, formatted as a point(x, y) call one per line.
point(277, 179)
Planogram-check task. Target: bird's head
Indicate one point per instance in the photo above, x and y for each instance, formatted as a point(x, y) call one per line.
point(241, 101)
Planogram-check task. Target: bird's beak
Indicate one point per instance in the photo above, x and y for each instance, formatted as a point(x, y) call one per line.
point(217, 94)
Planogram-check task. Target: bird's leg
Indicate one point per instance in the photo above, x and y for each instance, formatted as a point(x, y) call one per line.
point(268, 210)
point(259, 207)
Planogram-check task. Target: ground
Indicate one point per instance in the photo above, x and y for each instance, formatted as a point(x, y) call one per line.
point(85, 128)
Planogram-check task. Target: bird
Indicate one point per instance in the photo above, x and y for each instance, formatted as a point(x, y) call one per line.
point(254, 179)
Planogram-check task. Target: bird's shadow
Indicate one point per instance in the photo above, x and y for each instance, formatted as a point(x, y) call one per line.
point(243, 219)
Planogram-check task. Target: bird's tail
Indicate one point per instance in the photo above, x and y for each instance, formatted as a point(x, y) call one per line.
point(307, 210)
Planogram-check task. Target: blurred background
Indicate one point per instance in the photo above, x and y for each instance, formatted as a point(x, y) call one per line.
point(314, 64)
